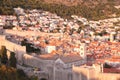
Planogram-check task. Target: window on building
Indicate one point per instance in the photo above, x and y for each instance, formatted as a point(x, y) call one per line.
point(81, 48)
point(81, 53)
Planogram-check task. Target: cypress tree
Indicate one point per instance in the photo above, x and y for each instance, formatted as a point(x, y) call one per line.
point(12, 60)
point(3, 55)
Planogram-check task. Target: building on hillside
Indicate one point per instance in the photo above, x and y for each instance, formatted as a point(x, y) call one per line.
point(19, 11)
point(49, 49)
point(112, 36)
point(83, 50)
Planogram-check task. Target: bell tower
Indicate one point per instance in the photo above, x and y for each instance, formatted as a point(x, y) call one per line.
point(83, 50)
point(112, 36)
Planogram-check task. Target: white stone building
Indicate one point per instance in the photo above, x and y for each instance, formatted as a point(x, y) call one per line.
point(49, 49)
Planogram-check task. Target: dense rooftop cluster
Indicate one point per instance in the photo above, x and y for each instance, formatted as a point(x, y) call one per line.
point(101, 50)
point(50, 37)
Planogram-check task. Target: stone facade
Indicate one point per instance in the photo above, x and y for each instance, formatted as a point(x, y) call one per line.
point(92, 73)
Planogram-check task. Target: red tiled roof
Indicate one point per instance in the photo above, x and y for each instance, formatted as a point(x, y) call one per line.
point(71, 58)
point(111, 70)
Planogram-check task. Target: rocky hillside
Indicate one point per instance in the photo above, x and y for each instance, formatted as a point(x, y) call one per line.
point(90, 9)
point(90, 3)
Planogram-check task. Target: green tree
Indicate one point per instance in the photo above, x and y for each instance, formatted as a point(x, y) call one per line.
point(20, 73)
point(12, 60)
point(3, 55)
point(23, 42)
point(33, 78)
point(10, 73)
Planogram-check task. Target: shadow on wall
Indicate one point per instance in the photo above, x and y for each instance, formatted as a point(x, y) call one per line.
point(43, 79)
point(118, 79)
point(84, 77)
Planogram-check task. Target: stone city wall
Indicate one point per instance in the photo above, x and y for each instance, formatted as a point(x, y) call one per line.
point(86, 73)
point(108, 76)
point(22, 56)
point(34, 61)
point(18, 49)
point(29, 33)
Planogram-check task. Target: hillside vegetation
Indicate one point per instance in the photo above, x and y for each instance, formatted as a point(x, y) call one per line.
point(10, 73)
point(90, 9)
point(83, 2)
